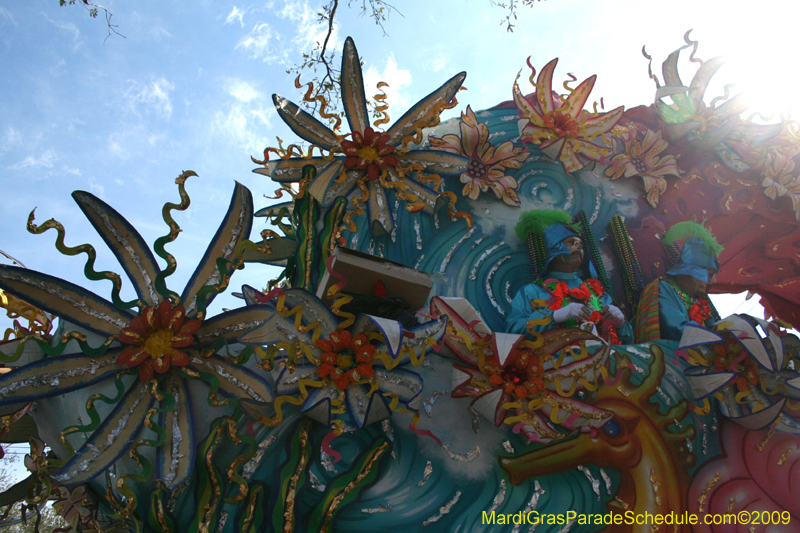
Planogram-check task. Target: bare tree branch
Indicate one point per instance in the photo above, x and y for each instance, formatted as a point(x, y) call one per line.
point(511, 6)
point(94, 10)
point(327, 87)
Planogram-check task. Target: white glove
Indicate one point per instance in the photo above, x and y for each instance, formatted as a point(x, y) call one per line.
point(572, 311)
point(613, 315)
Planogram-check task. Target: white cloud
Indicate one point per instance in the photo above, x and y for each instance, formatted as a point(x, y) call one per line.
point(236, 13)
point(69, 28)
point(116, 147)
point(45, 160)
point(398, 79)
point(242, 91)
point(73, 171)
point(270, 44)
point(156, 138)
point(159, 31)
point(308, 31)
point(261, 43)
point(11, 138)
point(96, 188)
point(153, 96)
point(438, 64)
point(5, 14)
point(245, 122)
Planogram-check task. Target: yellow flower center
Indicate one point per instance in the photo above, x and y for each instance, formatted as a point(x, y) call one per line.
point(159, 343)
point(344, 361)
point(369, 153)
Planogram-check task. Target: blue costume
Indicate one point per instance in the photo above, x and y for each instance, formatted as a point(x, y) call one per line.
point(664, 308)
point(522, 312)
point(521, 308)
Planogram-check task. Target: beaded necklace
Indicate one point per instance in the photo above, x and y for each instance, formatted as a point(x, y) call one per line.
point(699, 309)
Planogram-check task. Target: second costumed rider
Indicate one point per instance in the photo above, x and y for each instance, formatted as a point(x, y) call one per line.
point(561, 294)
point(668, 304)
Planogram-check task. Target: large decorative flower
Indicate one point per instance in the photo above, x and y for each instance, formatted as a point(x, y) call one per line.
point(356, 374)
point(156, 338)
point(641, 158)
point(733, 365)
point(168, 344)
point(346, 358)
point(778, 178)
point(71, 505)
point(369, 151)
point(563, 129)
point(373, 161)
point(519, 382)
point(488, 163)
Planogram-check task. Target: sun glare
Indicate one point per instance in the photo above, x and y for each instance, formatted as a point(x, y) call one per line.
point(759, 59)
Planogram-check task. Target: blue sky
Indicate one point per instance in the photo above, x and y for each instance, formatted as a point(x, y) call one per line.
point(189, 87)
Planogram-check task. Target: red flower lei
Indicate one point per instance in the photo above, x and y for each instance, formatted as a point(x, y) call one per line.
point(582, 293)
point(700, 311)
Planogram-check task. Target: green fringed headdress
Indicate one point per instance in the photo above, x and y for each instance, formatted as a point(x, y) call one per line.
point(700, 251)
point(538, 220)
point(688, 229)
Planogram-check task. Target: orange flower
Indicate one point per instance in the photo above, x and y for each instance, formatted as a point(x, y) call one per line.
point(369, 151)
point(155, 338)
point(560, 126)
point(641, 158)
point(346, 358)
point(520, 377)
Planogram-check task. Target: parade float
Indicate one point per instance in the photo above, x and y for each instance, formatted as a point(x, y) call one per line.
point(374, 385)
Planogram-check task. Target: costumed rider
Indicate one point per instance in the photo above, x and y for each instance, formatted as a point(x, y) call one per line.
point(668, 304)
point(566, 290)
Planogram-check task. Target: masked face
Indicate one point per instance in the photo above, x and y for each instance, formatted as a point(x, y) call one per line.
point(694, 287)
point(571, 262)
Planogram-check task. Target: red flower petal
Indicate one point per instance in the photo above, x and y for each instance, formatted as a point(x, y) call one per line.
point(364, 355)
point(150, 317)
point(128, 336)
point(351, 163)
point(181, 341)
point(365, 371)
point(179, 358)
point(140, 326)
point(176, 319)
point(164, 314)
point(324, 370)
point(127, 354)
point(342, 382)
point(324, 345)
point(373, 172)
point(138, 358)
point(341, 340)
point(146, 370)
point(369, 136)
point(161, 364)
